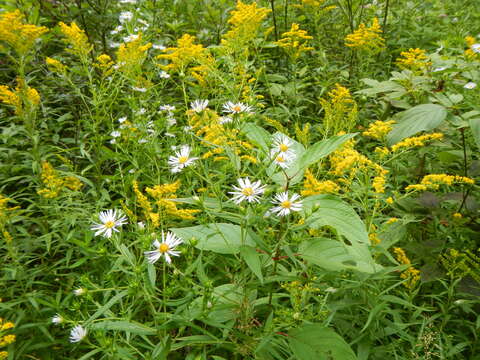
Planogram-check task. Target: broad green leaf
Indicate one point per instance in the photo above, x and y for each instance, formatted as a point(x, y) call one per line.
point(257, 134)
point(252, 258)
point(322, 149)
point(333, 255)
point(475, 127)
point(316, 342)
point(123, 325)
point(328, 210)
point(217, 237)
point(423, 117)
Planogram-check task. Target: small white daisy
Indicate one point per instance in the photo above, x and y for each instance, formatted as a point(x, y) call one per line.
point(113, 141)
point(286, 204)
point(164, 75)
point(79, 291)
point(283, 159)
point(158, 47)
point(122, 119)
point(57, 319)
point(109, 221)
point(170, 134)
point(125, 16)
point(181, 159)
point(171, 121)
point(236, 108)
point(128, 1)
point(225, 119)
point(247, 191)
point(282, 143)
point(168, 108)
point(116, 30)
point(115, 45)
point(470, 85)
point(165, 248)
point(199, 105)
point(115, 134)
point(142, 141)
point(77, 334)
point(475, 48)
point(141, 111)
point(139, 89)
point(130, 38)
point(141, 225)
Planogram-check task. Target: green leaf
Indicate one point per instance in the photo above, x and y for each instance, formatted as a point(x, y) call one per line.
point(322, 149)
point(252, 258)
point(123, 325)
point(217, 237)
point(108, 305)
point(328, 210)
point(316, 342)
point(257, 135)
point(475, 127)
point(423, 117)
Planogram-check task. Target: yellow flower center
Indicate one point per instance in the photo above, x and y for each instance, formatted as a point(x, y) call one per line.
point(182, 159)
point(280, 159)
point(163, 248)
point(247, 191)
point(286, 204)
point(283, 147)
point(237, 108)
point(109, 224)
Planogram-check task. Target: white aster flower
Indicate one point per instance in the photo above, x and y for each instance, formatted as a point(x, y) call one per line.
point(115, 45)
point(282, 144)
point(141, 111)
point(171, 121)
point(115, 134)
point(57, 319)
point(142, 141)
point(181, 159)
point(164, 75)
point(79, 291)
point(199, 105)
point(128, 1)
point(440, 68)
point(125, 16)
point(130, 38)
point(475, 48)
point(169, 134)
point(225, 119)
point(285, 205)
point(470, 85)
point(77, 334)
point(283, 159)
point(139, 89)
point(110, 220)
point(167, 107)
point(113, 141)
point(236, 108)
point(158, 47)
point(122, 119)
point(165, 248)
point(247, 191)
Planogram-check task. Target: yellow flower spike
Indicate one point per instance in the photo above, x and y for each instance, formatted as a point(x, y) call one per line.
point(366, 38)
point(412, 275)
point(340, 111)
point(433, 182)
point(130, 56)
point(379, 129)
point(469, 53)
point(55, 65)
point(77, 39)
point(416, 141)
point(313, 186)
point(21, 37)
point(54, 183)
point(294, 42)
point(414, 59)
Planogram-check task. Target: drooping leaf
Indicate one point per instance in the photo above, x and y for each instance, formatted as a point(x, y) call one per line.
point(217, 237)
point(423, 117)
point(322, 148)
point(123, 325)
point(252, 258)
point(316, 342)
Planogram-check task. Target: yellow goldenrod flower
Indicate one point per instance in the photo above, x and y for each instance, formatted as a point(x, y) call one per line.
point(130, 56)
point(366, 38)
point(53, 183)
point(433, 182)
point(19, 36)
point(23, 97)
point(244, 22)
point(416, 141)
point(379, 129)
point(77, 39)
point(473, 50)
point(184, 54)
point(55, 65)
point(4, 209)
point(11, 98)
point(105, 64)
point(294, 42)
point(413, 59)
point(3, 355)
point(392, 220)
point(7, 340)
point(340, 111)
point(390, 200)
point(457, 215)
point(313, 186)
point(412, 275)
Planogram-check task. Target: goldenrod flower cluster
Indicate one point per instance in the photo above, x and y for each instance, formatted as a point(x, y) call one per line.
point(366, 38)
point(54, 183)
point(4, 209)
point(414, 60)
point(294, 42)
point(348, 161)
point(412, 275)
point(164, 198)
point(21, 98)
point(315, 4)
point(379, 129)
point(131, 55)
point(244, 22)
point(215, 136)
point(340, 112)
point(469, 53)
point(55, 65)
point(77, 39)
point(416, 141)
point(5, 340)
point(313, 186)
point(460, 264)
point(105, 64)
point(433, 182)
point(391, 220)
point(18, 35)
